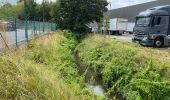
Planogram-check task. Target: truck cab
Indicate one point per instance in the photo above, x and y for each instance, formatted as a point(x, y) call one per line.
point(152, 27)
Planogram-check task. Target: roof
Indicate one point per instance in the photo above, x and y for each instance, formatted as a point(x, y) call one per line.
point(159, 10)
point(132, 11)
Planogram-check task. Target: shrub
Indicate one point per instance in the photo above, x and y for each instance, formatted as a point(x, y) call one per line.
point(127, 69)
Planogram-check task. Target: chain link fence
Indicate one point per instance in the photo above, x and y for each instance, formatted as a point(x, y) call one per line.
point(15, 33)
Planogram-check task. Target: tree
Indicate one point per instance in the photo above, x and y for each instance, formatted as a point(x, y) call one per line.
point(106, 24)
point(76, 14)
point(30, 9)
point(46, 8)
point(8, 10)
point(36, 11)
point(54, 11)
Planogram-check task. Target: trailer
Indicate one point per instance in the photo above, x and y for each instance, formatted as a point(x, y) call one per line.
point(130, 27)
point(118, 26)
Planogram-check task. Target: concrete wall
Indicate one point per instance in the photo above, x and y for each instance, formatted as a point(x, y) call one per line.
point(131, 11)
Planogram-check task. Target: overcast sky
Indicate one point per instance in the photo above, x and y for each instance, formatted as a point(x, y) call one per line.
point(14, 1)
point(114, 3)
point(124, 3)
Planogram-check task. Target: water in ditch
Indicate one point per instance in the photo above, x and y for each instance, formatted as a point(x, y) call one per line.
point(93, 80)
point(97, 89)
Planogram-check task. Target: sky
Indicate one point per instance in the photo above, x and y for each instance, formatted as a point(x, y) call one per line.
point(124, 3)
point(14, 1)
point(114, 3)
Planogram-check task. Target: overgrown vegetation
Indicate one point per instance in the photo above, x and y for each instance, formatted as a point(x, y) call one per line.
point(11, 11)
point(33, 10)
point(44, 71)
point(128, 71)
point(74, 15)
point(48, 70)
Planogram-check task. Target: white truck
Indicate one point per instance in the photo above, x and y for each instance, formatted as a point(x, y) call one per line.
point(118, 26)
point(130, 27)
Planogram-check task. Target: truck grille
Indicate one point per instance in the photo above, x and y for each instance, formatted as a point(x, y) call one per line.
point(138, 36)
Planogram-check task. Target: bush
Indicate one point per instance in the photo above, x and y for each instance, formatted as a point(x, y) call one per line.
point(128, 70)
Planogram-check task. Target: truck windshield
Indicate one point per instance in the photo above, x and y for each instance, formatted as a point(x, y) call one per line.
point(143, 21)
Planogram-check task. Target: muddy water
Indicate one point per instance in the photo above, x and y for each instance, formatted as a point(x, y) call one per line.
point(97, 89)
point(94, 81)
point(92, 77)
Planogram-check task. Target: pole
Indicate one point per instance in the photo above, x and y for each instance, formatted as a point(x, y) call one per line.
point(51, 27)
point(109, 17)
point(43, 15)
point(25, 17)
point(16, 37)
point(34, 28)
point(39, 26)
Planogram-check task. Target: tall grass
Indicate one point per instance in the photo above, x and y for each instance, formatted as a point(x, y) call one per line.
point(128, 71)
point(47, 70)
point(44, 71)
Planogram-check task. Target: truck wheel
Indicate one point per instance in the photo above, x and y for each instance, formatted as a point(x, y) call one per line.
point(119, 33)
point(158, 42)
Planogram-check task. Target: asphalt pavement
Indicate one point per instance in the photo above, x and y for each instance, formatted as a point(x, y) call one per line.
point(128, 38)
point(124, 37)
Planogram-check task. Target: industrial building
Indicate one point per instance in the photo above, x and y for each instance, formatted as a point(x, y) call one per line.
point(131, 11)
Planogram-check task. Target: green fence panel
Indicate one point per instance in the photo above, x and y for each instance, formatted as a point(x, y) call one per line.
point(18, 31)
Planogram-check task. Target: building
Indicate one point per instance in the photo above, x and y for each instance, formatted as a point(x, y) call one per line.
point(131, 11)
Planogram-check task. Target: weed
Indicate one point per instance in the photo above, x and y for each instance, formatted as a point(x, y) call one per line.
point(128, 70)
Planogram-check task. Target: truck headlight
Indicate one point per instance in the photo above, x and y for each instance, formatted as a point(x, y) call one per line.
point(145, 38)
point(151, 37)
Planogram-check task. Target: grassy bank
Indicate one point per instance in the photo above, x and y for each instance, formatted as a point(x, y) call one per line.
point(44, 71)
point(55, 67)
point(128, 71)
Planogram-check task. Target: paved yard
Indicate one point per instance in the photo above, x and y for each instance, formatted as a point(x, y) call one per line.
point(128, 37)
point(124, 37)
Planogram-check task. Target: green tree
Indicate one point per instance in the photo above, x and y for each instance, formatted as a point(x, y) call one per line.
point(54, 11)
point(8, 10)
point(106, 24)
point(30, 11)
point(76, 14)
point(46, 8)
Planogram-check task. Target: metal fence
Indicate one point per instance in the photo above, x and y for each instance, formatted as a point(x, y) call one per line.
point(15, 32)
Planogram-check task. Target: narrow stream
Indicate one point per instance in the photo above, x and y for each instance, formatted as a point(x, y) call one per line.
point(93, 80)
point(97, 89)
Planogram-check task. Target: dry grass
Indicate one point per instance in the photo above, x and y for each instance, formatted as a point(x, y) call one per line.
point(25, 77)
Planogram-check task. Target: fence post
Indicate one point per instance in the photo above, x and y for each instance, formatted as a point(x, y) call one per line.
point(39, 27)
point(16, 37)
point(55, 27)
point(43, 25)
point(51, 27)
point(26, 31)
point(34, 28)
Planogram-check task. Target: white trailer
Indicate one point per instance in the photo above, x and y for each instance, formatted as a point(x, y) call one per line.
point(118, 26)
point(130, 27)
